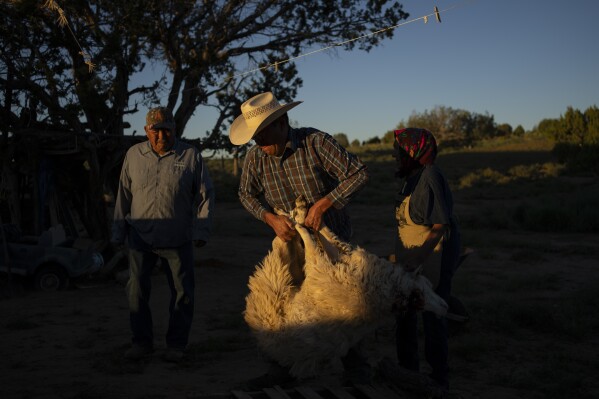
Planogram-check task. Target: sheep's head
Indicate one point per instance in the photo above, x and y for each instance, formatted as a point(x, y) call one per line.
point(413, 301)
point(416, 293)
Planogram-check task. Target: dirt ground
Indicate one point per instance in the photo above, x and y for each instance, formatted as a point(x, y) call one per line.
point(70, 344)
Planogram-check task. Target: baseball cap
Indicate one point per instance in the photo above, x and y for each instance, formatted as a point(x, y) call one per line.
point(160, 117)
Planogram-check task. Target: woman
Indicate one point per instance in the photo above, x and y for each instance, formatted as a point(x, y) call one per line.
point(428, 237)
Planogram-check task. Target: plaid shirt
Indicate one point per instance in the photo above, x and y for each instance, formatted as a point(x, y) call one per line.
point(313, 165)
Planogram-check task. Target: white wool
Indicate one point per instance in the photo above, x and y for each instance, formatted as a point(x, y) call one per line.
point(309, 328)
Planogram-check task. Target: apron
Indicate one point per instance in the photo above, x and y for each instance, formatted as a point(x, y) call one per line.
point(411, 236)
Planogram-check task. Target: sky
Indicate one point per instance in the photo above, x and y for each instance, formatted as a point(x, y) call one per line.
point(521, 61)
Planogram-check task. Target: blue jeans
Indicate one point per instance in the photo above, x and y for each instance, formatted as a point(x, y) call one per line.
point(435, 343)
point(180, 276)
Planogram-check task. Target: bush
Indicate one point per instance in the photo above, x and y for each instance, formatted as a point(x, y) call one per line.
point(578, 158)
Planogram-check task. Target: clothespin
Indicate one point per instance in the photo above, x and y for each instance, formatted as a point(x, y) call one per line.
point(437, 14)
point(87, 59)
point(425, 18)
point(276, 65)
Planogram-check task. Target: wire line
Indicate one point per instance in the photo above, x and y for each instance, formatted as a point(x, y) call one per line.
point(275, 64)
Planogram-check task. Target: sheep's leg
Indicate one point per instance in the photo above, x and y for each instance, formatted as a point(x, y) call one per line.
point(328, 234)
point(296, 261)
point(329, 247)
point(310, 246)
point(292, 257)
point(328, 240)
point(334, 241)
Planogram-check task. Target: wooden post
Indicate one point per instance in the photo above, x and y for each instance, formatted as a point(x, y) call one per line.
point(235, 162)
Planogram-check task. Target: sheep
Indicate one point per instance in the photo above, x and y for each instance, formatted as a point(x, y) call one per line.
point(346, 293)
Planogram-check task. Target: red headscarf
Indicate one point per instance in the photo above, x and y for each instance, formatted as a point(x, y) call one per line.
point(418, 144)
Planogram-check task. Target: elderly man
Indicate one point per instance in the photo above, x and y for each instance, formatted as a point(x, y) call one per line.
point(164, 204)
point(287, 163)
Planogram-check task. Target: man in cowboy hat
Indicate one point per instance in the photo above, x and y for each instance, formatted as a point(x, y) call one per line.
point(163, 205)
point(286, 163)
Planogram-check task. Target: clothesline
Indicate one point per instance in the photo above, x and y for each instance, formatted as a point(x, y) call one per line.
point(436, 12)
point(62, 20)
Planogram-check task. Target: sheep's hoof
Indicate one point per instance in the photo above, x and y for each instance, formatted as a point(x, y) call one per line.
point(301, 210)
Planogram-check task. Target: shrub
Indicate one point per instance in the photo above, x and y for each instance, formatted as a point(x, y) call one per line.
point(578, 158)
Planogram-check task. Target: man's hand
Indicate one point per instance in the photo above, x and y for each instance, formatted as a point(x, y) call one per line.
point(283, 227)
point(199, 243)
point(314, 217)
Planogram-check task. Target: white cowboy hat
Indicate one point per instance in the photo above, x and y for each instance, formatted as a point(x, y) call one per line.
point(257, 113)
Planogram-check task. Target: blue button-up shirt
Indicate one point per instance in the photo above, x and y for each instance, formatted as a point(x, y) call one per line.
point(167, 199)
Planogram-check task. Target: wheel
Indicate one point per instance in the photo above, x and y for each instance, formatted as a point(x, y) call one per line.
point(50, 278)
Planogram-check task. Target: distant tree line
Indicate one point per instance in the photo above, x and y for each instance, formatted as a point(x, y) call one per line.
point(467, 127)
point(574, 127)
point(451, 127)
point(576, 133)
point(576, 136)
point(457, 126)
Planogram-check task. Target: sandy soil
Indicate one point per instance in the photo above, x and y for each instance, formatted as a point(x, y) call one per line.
point(70, 344)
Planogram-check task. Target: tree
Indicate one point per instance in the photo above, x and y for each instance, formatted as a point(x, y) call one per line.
point(504, 129)
point(372, 140)
point(448, 124)
point(389, 137)
point(484, 126)
point(577, 142)
point(519, 131)
point(551, 128)
point(200, 51)
point(591, 116)
point(460, 128)
point(575, 127)
point(342, 139)
point(68, 66)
